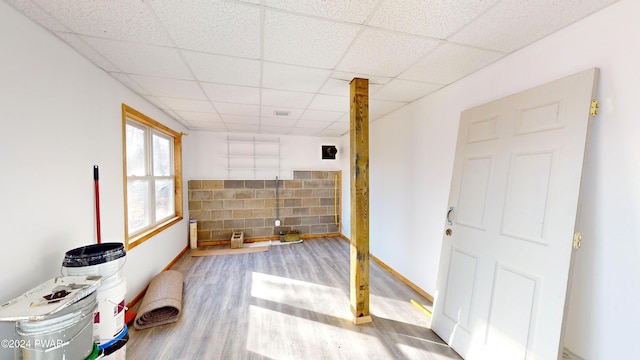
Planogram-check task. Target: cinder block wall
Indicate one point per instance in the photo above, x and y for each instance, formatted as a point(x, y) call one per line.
point(309, 203)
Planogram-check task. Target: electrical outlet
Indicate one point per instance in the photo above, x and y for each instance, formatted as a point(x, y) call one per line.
point(277, 222)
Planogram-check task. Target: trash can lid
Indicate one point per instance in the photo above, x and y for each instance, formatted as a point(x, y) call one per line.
point(93, 254)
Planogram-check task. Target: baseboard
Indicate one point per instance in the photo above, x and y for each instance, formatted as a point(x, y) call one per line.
point(252, 240)
point(415, 287)
point(140, 295)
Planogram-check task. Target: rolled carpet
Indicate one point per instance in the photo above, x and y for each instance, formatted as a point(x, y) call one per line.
point(162, 302)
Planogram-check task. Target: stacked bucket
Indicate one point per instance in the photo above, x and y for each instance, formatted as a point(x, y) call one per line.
point(110, 333)
point(54, 320)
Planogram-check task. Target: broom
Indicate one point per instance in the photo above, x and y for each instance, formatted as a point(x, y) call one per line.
point(129, 316)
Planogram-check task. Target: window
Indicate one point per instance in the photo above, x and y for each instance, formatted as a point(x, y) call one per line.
point(153, 176)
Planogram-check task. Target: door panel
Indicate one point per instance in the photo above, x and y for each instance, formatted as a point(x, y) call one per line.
point(506, 253)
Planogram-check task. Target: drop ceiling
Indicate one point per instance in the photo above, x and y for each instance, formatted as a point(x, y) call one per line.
point(235, 65)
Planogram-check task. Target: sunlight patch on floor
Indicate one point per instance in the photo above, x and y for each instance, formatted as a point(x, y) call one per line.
point(283, 336)
point(300, 294)
point(398, 310)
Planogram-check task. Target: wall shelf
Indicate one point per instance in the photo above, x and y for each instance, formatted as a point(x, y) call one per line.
point(253, 157)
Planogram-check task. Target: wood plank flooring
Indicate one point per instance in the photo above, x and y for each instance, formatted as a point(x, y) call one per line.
point(291, 302)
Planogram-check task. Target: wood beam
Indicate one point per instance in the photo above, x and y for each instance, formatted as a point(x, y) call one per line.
point(359, 150)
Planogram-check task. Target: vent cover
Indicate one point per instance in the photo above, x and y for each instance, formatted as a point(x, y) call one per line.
point(329, 152)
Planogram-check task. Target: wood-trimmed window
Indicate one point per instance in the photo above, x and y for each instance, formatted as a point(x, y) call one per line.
point(152, 160)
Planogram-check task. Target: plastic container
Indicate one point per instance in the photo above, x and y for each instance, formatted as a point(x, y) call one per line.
point(117, 349)
point(193, 233)
point(106, 260)
point(66, 334)
point(109, 319)
point(94, 354)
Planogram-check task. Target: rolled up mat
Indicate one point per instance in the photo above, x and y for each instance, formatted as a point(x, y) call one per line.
point(162, 302)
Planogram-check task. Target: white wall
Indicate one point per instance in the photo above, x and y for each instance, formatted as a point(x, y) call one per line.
point(345, 166)
point(208, 151)
point(414, 148)
point(61, 115)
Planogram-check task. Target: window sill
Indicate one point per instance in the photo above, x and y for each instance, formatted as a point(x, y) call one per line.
point(141, 237)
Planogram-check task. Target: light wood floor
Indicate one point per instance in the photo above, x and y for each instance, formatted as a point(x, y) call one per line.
point(291, 302)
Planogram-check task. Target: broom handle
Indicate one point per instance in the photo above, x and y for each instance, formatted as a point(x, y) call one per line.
point(97, 192)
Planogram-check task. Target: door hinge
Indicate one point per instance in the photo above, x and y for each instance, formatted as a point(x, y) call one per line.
point(577, 240)
point(594, 107)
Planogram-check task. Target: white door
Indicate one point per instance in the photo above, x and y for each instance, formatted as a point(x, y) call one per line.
point(507, 247)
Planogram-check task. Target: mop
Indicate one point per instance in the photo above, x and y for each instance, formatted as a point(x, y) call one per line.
point(128, 315)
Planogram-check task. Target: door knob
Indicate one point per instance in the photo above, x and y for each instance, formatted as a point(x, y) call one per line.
point(449, 215)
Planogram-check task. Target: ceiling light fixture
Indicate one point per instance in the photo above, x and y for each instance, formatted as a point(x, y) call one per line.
point(281, 113)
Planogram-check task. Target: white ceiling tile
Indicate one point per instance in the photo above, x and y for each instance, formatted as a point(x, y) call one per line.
point(513, 24)
point(206, 125)
point(343, 10)
point(438, 68)
point(346, 118)
point(142, 59)
point(206, 62)
point(128, 82)
point(270, 111)
point(119, 20)
point(404, 90)
point(236, 109)
point(88, 51)
point(285, 99)
point(312, 124)
point(275, 122)
point(293, 78)
point(155, 101)
point(266, 129)
point(379, 108)
point(335, 87)
point(330, 103)
point(322, 115)
point(339, 126)
point(384, 53)
point(173, 115)
point(348, 76)
point(433, 18)
point(232, 93)
point(165, 87)
point(240, 119)
point(340, 87)
point(193, 116)
point(218, 27)
point(297, 40)
point(37, 14)
point(331, 132)
point(177, 105)
point(245, 128)
point(223, 69)
point(305, 131)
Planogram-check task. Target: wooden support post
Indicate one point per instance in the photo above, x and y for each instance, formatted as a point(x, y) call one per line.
point(359, 146)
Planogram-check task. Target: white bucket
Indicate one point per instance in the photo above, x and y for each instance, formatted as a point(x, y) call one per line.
point(117, 349)
point(111, 271)
point(64, 335)
point(106, 260)
point(109, 319)
point(120, 354)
